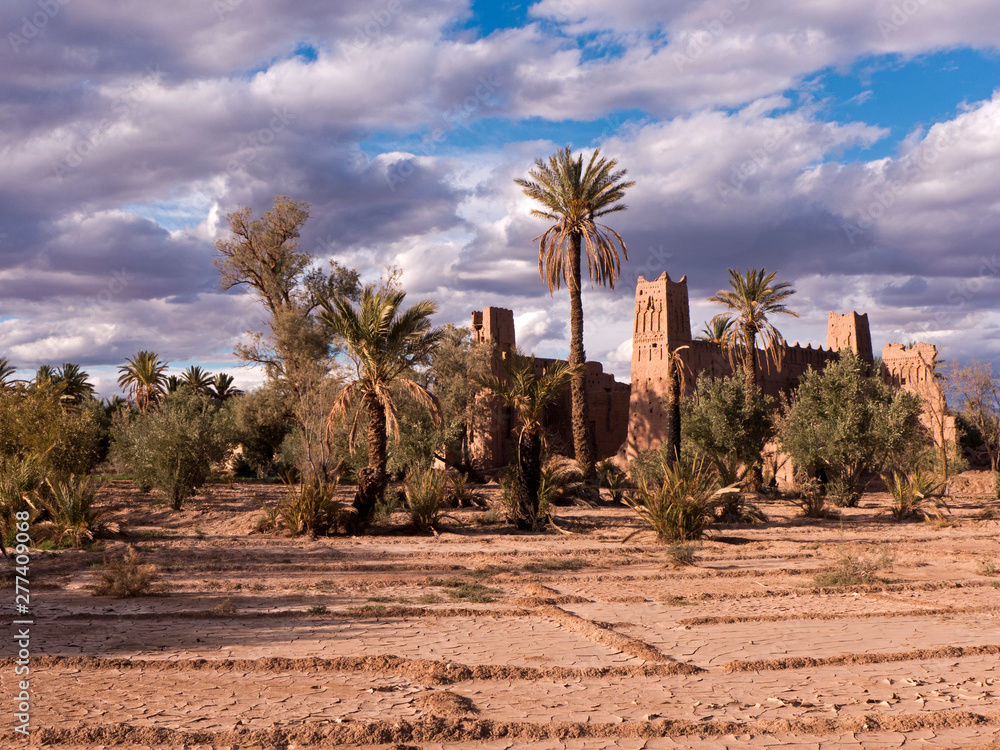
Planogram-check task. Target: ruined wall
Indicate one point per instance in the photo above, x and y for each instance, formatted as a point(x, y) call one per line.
point(662, 323)
point(493, 442)
point(912, 368)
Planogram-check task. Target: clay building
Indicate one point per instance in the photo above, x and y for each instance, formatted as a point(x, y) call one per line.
point(493, 443)
point(634, 417)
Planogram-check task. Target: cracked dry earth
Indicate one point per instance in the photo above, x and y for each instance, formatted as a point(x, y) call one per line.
point(590, 642)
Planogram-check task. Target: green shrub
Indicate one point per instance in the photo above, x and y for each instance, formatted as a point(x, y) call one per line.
point(310, 508)
point(71, 515)
point(461, 494)
point(173, 446)
point(913, 496)
point(20, 478)
point(683, 553)
point(683, 504)
point(425, 498)
point(855, 568)
point(809, 495)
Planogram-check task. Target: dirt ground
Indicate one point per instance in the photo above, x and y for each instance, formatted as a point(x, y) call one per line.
point(480, 637)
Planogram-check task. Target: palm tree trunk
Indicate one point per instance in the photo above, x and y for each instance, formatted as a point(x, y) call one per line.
point(750, 391)
point(529, 478)
point(372, 479)
point(674, 415)
point(582, 439)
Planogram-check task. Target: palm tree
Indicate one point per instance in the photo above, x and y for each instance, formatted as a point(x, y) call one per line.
point(754, 296)
point(144, 378)
point(75, 383)
point(717, 330)
point(675, 371)
point(385, 345)
point(197, 378)
point(573, 197)
point(6, 373)
point(527, 393)
point(222, 387)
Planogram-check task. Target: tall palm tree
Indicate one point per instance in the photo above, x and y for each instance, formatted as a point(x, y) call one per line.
point(527, 393)
point(573, 197)
point(675, 372)
point(144, 378)
point(197, 378)
point(754, 296)
point(222, 387)
point(75, 382)
point(717, 330)
point(385, 345)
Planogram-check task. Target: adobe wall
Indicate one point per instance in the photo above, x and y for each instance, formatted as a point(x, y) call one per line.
point(662, 323)
point(912, 368)
point(493, 441)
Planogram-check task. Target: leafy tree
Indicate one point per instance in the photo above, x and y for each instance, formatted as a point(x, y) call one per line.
point(173, 446)
point(719, 424)
point(35, 423)
point(977, 392)
point(527, 389)
point(144, 379)
point(573, 197)
point(262, 421)
point(754, 296)
point(850, 425)
point(675, 374)
point(385, 344)
point(265, 256)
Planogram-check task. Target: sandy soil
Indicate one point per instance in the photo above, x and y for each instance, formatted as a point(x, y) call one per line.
point(590, 642)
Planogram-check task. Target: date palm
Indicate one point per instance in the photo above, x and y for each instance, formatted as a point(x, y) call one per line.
point(6, 374)
point(75, 382)
point(143, 377)
point(222, 387)
point(385, 343)
point(527, 392)
point(197, 378)
point(717, 330)
point(573, 197)
point(755, 295)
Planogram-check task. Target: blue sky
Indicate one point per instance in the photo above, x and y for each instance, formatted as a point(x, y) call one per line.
point(854, 147)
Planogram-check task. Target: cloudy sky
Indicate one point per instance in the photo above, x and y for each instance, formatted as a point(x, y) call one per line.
point(851, 146)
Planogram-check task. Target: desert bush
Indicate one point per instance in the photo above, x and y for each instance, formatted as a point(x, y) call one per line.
point(996, 483)
point(987, 568)
point(311, 507)
point(20, 477)
point(809, 495)
point(613, 478)
point(425, 498)
point(174, 445)
point(126, 576)
point(855, 568)
point(70, 515)
point(683, 505)
point(913, 496)
point(459, 491)
point(683, 553)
